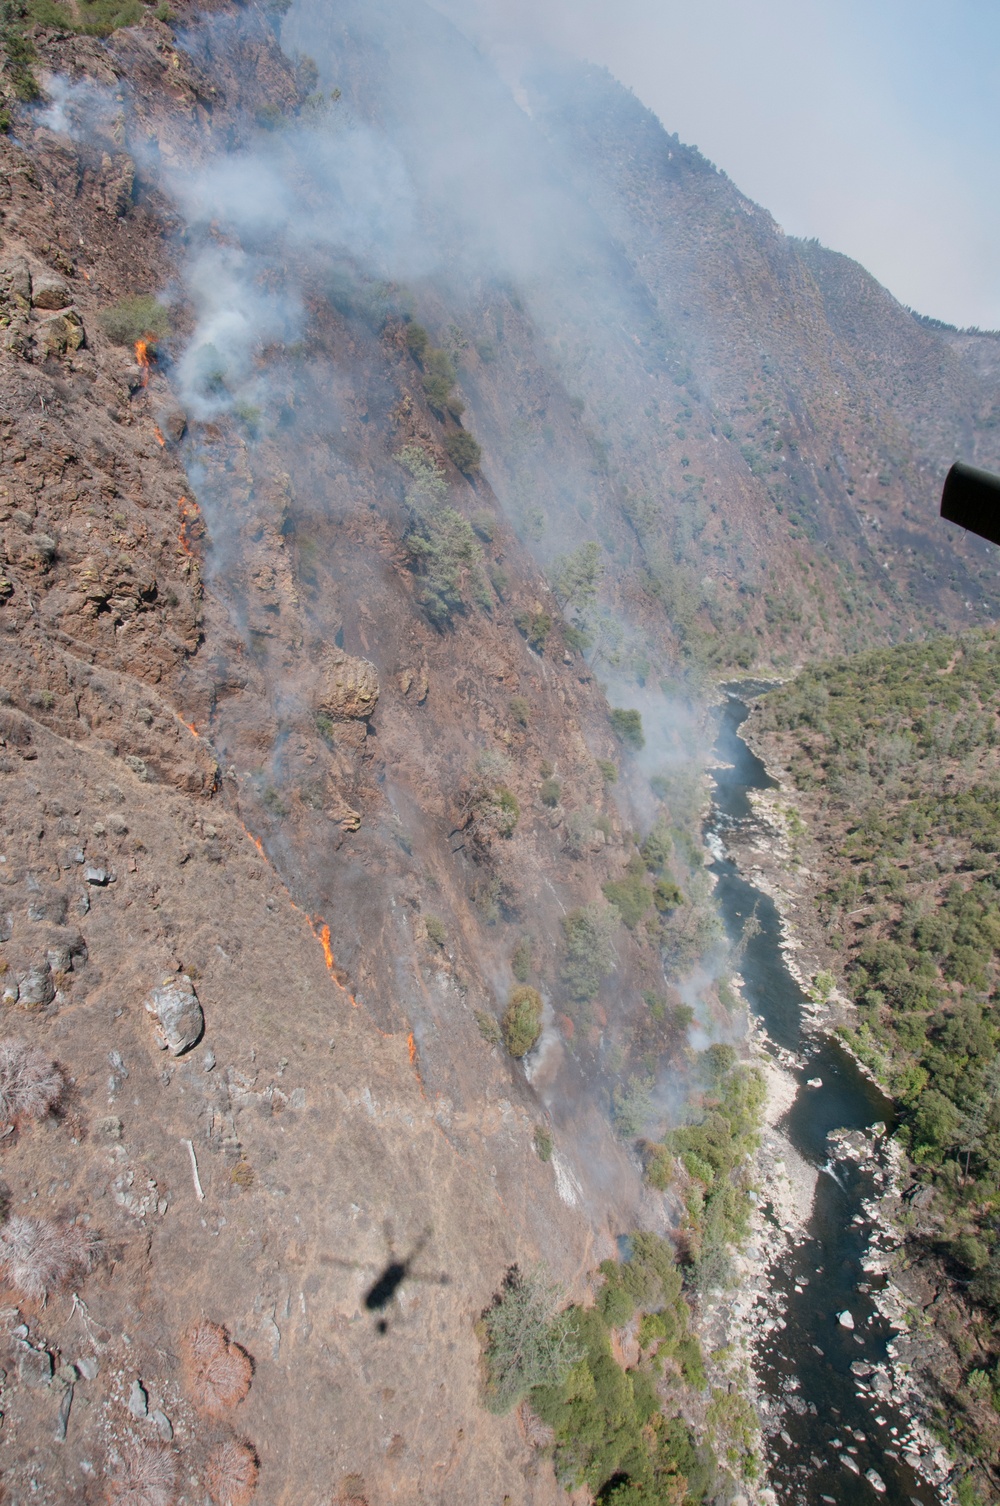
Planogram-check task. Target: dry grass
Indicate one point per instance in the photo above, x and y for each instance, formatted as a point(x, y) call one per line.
point(39, 1256)
point(144, 1477)
point(30, 1084)
point(232, 1474)
point(219, 1371)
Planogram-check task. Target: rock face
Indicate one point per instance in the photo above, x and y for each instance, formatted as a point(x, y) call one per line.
point(349, 687)
point(179, 1019)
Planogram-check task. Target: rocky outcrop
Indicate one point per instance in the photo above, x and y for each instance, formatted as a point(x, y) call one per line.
point(349, 687)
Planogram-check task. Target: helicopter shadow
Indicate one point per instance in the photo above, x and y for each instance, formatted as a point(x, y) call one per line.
point(392, 1275)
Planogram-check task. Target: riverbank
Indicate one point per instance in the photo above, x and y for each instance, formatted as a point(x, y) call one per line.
point(770, 851)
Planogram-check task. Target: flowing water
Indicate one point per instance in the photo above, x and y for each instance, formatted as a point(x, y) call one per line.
point(805, 1368)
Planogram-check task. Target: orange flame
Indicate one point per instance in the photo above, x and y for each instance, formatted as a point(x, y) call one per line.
point(323, 935)
point(159, 437)
point(142, 358)
point(321, 931)
point(411, 1046)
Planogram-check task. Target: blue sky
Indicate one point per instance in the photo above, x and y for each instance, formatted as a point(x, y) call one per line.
point(871, 124)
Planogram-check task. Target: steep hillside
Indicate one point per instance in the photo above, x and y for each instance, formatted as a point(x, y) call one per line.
point(375, 504)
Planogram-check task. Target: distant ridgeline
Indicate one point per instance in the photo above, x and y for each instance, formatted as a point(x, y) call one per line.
point(897, 756)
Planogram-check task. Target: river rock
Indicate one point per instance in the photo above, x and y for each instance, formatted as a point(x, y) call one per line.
point(845, 1319)
point(875, 1481)
point(814, 1082)
point(179, 1018)
point(851, 1464)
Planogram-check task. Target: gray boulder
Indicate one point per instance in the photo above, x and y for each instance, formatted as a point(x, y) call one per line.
point(49, 291)
point(36, 987)
point(179, 1019)
point(34, 1366)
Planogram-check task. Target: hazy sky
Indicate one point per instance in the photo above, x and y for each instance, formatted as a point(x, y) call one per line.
point(872, 124)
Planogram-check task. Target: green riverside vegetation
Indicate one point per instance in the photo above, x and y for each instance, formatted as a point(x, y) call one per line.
point(621, 1432)
point(896, 754)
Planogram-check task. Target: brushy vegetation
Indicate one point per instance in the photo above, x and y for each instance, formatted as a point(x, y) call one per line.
point(464, 451)
point(897, 756)
point(145, 1474)
point(219, 1371)
point(39, 1256)
point(536, 626)
point(493, 808)
point(590, 952)
point(30, 1084)
point(138, 316)
point(618, 1432)
point(522, 959)
point(709, 1162)
point(528, 1341)
point(435, 929)
point(627, 726)
point(442, 544)
point(522, 1021)
point(231, 1474)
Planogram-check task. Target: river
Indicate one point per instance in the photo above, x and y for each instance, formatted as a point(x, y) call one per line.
point(822, 1421)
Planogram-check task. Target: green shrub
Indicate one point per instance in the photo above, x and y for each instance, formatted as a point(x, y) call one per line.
point(627, 726)
point(615, 1305)
point(528, 1343)
point(520, 709)
point(20, 57)
point(445, 550)
point(488, 1027)
point(440, 377)
point(417, 340)
point(970, 1252)
point(522, 1021)
point(543, 1142)
point(94, 18)
point(578, 637)
point(435, 929)
point(550, 792)
point(575, 576)
point(138, 316)
point(274, 803)
point(631, 1105)
point(609, 770)
point(631, 895)
point(463, 450)
point(590, 953)
point(658, 848)
point(667, 896)
point(536, 627)
point(521, 960)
